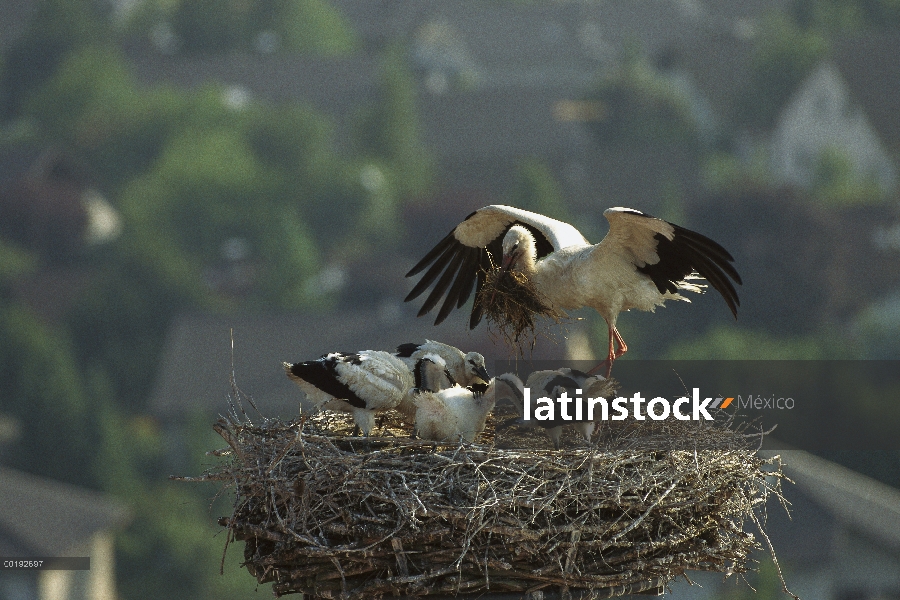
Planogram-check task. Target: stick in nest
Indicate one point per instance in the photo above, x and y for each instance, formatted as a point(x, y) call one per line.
point(512, 305)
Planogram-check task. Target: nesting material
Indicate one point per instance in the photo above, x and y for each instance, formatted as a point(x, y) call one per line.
point(340, 517)
point(512, 305)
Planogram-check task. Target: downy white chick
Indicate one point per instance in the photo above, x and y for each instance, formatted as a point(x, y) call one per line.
point(460, 369)
point(431, 375)
point(457, 412)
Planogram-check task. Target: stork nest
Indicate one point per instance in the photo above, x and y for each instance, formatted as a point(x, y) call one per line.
point(512, 305)
point(334, 516)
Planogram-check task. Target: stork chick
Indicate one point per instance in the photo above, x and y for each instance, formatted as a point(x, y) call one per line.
point(553, 383)
point(431, 375)
point(361, 383)
point(457, 412)
point(459, 369)
point(465, 369)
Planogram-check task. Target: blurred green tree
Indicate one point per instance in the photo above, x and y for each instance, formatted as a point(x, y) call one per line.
point(394, 166)
point(732, 343)
point(41, 386)
point(639, 104)
point(226, 203)
point(783, 55)
point(173, 548)
point(536, 189)
point(14, 262)
point(836, 181)
point(210, 26)
point(215, 196)
point(846, 16)
point(57, 27)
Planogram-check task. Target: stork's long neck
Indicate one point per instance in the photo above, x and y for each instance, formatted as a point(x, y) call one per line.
point(529, 257)
point(526, 252)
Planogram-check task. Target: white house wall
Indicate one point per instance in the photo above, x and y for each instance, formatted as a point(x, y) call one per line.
point(819, 116)
point(98, 583)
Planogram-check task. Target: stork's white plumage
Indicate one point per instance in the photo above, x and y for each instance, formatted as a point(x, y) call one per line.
point(642, 262)
point(360, 383)
point(460, 368)
point(457, 412)
point(552, 383)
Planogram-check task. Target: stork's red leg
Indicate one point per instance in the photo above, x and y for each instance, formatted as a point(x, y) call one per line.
point(613, 335)
point(623, 347)
point(612, 354)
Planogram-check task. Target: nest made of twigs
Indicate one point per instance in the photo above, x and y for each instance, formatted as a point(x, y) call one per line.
point(513, 305)
point(334, 516)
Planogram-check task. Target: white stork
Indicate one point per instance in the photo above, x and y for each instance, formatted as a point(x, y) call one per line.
point(459, 369)
point(360, 383)
point(458, 412)
point(642, 262)
point(465, 368)
point(553, 383)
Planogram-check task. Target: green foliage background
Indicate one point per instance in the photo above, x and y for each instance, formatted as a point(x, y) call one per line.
point(189, 172)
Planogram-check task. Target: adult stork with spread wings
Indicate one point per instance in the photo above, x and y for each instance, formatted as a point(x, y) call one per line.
point(642, 262)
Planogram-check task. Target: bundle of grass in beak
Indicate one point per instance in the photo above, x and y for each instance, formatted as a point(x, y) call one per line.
point(512, 305)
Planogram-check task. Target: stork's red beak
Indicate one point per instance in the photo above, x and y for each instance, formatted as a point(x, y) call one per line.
point(508, 261)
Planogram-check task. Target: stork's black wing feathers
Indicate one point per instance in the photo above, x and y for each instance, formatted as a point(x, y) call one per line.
point(462, 268)
point(488, 258)
point(478, 388)
point(686, 253)
point(439, 249)
point(469, 280)
point(710, 248)
point(577, 373)
point(465, 275)
point(560, 380)
point(444, 282)
point(440, 262)
point(322, 373)
point(712, 273)
point(477, 308)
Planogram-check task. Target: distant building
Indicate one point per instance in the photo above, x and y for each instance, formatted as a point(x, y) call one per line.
point(498, 83)
point(540, 44)
point(16, 16)
point(44, 518)
point(197, 361)
point(809, 266)
point(843, 542)
point(50, 207)
point(823, 116)
point(870, 66)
